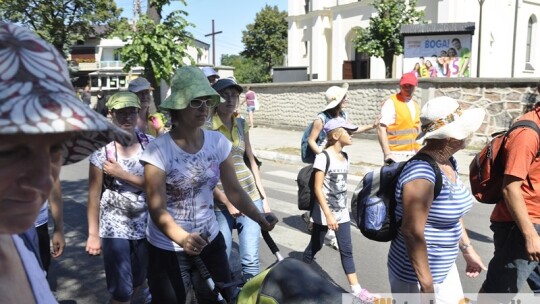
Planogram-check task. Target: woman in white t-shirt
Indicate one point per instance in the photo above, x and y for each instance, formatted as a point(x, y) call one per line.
point(181, 169)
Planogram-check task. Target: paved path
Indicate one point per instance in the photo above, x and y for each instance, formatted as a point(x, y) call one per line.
point(365, 152)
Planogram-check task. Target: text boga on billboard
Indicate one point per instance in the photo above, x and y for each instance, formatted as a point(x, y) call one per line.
point(438, 55)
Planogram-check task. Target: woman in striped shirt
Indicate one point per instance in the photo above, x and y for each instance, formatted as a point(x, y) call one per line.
point(236, 131)
point(422, 256)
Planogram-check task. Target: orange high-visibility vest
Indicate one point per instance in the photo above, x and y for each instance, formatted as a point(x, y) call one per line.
point(402, 133)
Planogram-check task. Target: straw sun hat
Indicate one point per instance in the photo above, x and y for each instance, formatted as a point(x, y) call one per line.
point(443, 117)
point(334, 95)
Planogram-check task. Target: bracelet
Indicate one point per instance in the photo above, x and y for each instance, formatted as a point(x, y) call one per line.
point(465, 246)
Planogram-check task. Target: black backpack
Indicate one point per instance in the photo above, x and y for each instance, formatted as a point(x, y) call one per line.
point(374, 203)
point(305, 181)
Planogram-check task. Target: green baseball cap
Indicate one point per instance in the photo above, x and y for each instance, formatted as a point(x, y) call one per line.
point(122, 100)
point(189, 83)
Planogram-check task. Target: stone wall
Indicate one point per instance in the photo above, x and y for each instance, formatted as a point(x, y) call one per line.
point(294, 105)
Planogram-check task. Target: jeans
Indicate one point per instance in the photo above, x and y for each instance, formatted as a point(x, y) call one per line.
point(248, 237)
point(343, 236)
point(510, 260)
point(126, 263)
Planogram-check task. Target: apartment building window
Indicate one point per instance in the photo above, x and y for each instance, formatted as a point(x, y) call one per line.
point(529, 49)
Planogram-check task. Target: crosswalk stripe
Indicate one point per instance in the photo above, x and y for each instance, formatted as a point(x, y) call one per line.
point(292, 238)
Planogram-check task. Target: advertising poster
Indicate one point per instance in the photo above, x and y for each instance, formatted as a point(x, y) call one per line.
point(438, 55)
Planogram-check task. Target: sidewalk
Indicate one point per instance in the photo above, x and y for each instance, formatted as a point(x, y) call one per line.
point(365, 154)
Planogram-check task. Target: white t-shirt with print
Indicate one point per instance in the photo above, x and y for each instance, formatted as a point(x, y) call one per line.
point(334, 188)
point(190, 182)
point(123, 212)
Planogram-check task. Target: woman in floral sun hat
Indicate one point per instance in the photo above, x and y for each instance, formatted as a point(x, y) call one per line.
point(181, 169)
point(42, 126)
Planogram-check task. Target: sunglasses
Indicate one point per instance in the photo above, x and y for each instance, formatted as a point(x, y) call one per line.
point(197, 103)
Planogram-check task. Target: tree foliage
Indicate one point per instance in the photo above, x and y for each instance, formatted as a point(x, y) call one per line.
point(265, 40)
point(61, 22)
point(383, 38)
point(158, 47)
point(246, 70)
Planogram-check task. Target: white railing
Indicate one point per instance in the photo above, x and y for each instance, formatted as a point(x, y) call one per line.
point(111, 64)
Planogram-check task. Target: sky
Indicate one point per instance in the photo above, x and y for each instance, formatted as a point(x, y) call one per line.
point(230, 16)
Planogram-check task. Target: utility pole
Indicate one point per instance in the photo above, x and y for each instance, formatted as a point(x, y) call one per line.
point(213, 34)
point(481, 2)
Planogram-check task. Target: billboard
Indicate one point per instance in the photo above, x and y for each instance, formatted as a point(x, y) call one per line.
point(438, 55)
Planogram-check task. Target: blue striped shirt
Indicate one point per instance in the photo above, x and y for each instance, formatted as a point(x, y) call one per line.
point(443, 228)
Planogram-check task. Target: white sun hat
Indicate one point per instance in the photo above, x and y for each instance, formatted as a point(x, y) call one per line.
point(334, 95)
point(442, 117)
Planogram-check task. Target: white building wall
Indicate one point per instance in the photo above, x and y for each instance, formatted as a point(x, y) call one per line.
point(497, 45)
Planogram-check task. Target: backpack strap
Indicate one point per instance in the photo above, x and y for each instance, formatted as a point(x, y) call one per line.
point(327, 161)
point(522, 124)
point(436, 169)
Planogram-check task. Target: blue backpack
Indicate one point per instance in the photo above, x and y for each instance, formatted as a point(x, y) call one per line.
point(307, 154)
point(374, 204)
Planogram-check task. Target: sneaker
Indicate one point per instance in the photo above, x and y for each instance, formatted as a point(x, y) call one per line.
point(365, 296)
point(332, 243)
point(147, 296)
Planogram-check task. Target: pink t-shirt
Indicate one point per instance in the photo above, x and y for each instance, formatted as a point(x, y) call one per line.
point(250, 98)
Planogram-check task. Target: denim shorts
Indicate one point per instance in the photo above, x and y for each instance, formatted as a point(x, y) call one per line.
point(251, 109)
point(126, 263)
point(510, 267)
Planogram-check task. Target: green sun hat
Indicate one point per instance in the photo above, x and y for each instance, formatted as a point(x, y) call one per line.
point(122, 100)
point(188, 83)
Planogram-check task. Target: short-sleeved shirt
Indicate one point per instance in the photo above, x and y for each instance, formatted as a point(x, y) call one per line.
point(35, 274)
point(443, 227)
point(43, 216)
point(250, 98)
point(520, 158)
point(388, 112)
point(123, 212)
point(236, 135)
point(190, 181)
point(334, 189)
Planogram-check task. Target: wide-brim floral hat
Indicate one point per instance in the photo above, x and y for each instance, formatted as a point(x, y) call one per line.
point(36, 96)
point(187, 84)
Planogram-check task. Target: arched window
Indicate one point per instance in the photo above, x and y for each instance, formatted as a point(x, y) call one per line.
point(531, 42)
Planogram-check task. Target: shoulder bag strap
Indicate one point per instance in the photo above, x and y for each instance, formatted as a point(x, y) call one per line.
point(436, 169)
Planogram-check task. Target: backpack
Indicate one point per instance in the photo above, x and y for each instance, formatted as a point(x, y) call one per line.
point(305, 181)
point(374, 202)
point(307, 154)
point(486, 171)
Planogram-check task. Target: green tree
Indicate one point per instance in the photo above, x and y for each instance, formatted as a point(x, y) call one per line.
point(246, 70)
point(158, 47)
point(265, 40)
point(382, 38)
point(61, 22)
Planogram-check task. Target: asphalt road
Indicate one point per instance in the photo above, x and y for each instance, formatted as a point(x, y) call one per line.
point(79, 278)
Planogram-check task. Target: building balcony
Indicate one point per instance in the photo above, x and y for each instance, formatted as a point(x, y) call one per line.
point(88, 66)
point(111, 64)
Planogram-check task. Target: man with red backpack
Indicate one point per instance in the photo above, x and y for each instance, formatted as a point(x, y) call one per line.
point(516, 217)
